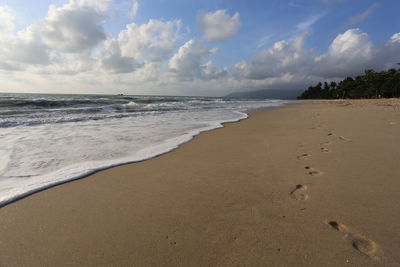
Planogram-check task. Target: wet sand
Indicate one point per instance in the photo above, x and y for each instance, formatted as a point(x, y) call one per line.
point(313, 184)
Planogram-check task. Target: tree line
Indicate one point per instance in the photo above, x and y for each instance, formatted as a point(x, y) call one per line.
point(383, 84)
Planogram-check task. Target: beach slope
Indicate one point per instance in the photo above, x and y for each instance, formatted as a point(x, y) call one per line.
point(311, 184)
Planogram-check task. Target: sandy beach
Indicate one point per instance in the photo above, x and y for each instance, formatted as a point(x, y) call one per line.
point(311, 184)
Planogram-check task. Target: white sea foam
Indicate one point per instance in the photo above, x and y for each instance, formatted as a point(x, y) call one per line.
point(37, 156)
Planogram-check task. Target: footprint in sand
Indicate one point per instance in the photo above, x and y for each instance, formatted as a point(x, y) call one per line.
point(324, 149)
point(344, 139)
point(304, 156)
point(312, 171)
point(358, 241)
point(171, 242)
point(299, 192)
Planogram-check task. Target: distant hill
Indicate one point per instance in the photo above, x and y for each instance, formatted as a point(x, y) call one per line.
point(269, 93)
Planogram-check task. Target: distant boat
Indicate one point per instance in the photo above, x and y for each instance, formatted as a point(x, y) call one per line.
point(120, 94)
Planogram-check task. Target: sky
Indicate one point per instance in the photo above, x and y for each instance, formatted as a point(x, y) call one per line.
point(187, 47)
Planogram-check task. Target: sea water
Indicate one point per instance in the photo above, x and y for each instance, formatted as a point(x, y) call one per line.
point(50, 139)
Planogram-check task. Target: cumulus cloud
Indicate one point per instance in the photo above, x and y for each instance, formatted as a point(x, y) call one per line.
point(211, 72)
point(7, 18)
point(388, 55)
point(287, 63)
point(149, 71)
point(71, 40)
point(113, 61)
point(395, 38)
point(23, 48)
point(154, 41)
point(74, 27)
point(349, 53)
point(65, 64)
point(352, 52)
point(218, 25)
point(68, 39)
point(283, 57)
point(187, 63)
point(99, 5)
point(138, 46)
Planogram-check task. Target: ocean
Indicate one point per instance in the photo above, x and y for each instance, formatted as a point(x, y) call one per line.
point(48, 139)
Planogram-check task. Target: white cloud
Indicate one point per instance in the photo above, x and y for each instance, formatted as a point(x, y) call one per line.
point(150, 71)
point(211, 72)
point(288, 65)
point(71, 40)
point(388, 55)
point(134, 9)
point(65, 64)
point(7, 18)
point(349, 53)
point(218, 25)
point(363, 15)
point(98, 5)
point(23, 48)
point(112, 61)
point(395, 38)
point(187, 63)
point(66, 40)
point(153, 41)
point(283, 57)
point(305, 25)
point(353, 52)
point(74, 27)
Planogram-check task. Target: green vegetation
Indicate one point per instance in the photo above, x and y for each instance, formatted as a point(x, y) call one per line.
point(372, 84)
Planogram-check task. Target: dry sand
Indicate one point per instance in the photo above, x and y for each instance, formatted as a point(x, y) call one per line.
point(313, 184)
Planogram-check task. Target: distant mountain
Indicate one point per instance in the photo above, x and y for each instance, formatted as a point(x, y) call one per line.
point(269, 93)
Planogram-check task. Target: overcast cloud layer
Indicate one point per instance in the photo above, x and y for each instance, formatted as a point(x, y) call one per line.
point(69, 51)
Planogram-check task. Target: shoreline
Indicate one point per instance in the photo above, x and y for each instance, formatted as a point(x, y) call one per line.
point(187, 138)
point(299, 185)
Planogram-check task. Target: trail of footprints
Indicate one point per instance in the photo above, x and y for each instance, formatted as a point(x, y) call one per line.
point(356, 240)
